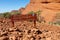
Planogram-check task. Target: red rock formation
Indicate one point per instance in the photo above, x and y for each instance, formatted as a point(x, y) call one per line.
point(49, 8)
point(14, 11)
point(44, 1)
point(21, 9)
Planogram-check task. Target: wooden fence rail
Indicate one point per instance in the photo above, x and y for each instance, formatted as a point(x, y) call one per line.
point(28, 17)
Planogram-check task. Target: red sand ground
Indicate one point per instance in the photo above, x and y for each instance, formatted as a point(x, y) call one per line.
point(26, 31)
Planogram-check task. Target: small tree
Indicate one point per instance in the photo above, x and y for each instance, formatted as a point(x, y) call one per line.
point(38, 15)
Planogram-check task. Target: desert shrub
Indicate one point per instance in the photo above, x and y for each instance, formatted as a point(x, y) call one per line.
point(15, 13)
point(31, 12)
point(57, 19)
point(1, 15)
point(58, 22)
point(39, 17)
point(51, 23)
point(54, 23)
point(6, 15)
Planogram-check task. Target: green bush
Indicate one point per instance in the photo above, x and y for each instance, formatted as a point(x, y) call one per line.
point(6, 15)
point(39, 17)
point(31, 12)
point(15, 13)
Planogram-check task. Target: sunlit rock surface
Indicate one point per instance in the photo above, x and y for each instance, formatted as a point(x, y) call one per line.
point(48, 8)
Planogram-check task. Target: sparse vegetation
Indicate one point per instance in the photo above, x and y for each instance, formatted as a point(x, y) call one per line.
point(39, 17)
point(8, 14)
point(31, 12)
point(57, 19)
point(15, 13)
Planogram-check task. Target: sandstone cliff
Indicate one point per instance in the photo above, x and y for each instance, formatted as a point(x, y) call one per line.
point(44, 1)
point(21, 9)
point(48, 8)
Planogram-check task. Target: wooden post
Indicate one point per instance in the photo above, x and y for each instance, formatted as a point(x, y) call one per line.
point(12, 21)
point(34, 23)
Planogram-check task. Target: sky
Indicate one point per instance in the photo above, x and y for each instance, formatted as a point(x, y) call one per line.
point(9, 5)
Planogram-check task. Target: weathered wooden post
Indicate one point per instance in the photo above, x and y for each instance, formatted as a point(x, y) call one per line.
point(12, 20)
